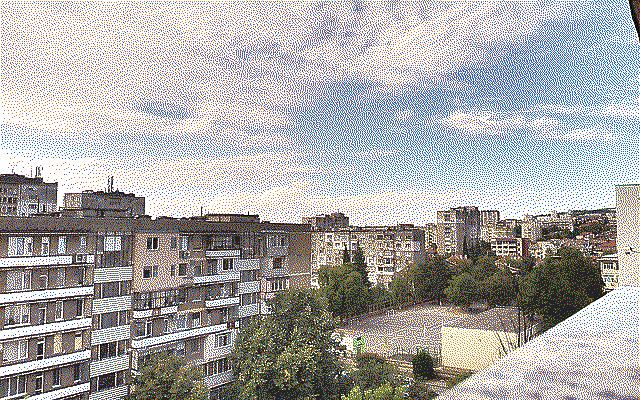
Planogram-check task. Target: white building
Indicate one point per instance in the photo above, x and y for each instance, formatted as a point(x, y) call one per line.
point(628, 240)
point(609, 271)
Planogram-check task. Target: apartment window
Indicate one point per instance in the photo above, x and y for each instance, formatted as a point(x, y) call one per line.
point(227, 264)
point(279, 284)
point(83, 242)
point(152, 243)
point(181, 322)
point(55, 377)
point(18, 280)
point(174, 243)
point(146, 272)
point(277, 263)
point(20, 246)
point(108, 381)
point(17, 314)
point(184, 243)
point(194, 345)
point(62, 245)
point(249, 298)
point(13, 386)
point(173, 270)
point(217, 367)
point(44, 249)
point(112, 349)
point(59, 311)
point(15, 351)
point(57, 343)
point(61, 275)
point(248, 276)
point(77, 373)
point(195, 320)
point(182, 269)
point(40, 349)
point(148, 328)
point(112, 243)
point(79, 306)
point(223, 339)
point(77, 343)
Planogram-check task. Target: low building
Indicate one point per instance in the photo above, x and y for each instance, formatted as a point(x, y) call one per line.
point(103, 204)
point(510, 247)
point(24, 196)
point(609, 271)
point(475, 342)
point(540, 250)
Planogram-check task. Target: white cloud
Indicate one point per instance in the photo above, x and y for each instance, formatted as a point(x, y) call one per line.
point(593, 133)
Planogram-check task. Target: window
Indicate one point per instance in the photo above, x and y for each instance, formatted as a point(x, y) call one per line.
point(62, 245)
point(227, 264)
point(13, 386)
point(83, 242)
point(57, 343)
point(55, 377)
point(61, 275)
point(112, 243)
point(217, 367)
point(154, 271)
point(182, 269)
point(173, 270)
point(20, 246)
point(112, 349)
point(223, 339)
point(184, 243)
point(17, 314)
point(146, 272)
point(195, 320)
point(79, 305)
point(152, 243)
point(108, 381)
point(249, 298)
point(248, 276)
point(194, 345)
point(14, 351)
point(277, 262)
point(174, 243)
point(40, 349)
point(44, 250)
point(181, 322)
point(148, 328)
point(77, 373)
point(279, 284)
point(77, 343)
point(18, 280)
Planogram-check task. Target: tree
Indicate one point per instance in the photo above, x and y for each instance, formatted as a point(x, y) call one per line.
point(346, 258)
point(463, 290)
point(423, 366)
point(360, 265)
point(384, 392)
point(344, 290)
point(168, 377)
point(500, 289)
point(483, 267)
point(560, 286)
point(289, 354)
point(373, 371)
point(431, 278)
point(401, 288)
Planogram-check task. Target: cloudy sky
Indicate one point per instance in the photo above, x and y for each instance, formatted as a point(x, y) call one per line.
point(384, 111)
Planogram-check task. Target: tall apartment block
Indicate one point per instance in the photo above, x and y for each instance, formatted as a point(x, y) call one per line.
point(628, 234)
point(327, 221)
point(430, 237)
point(458, 230)
point(85, 301)
point(23, 196)
point(387, 249)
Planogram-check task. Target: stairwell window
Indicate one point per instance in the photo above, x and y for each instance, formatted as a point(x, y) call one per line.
point(152, 243)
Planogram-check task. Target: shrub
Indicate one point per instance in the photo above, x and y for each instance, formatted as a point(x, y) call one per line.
point(423, 366)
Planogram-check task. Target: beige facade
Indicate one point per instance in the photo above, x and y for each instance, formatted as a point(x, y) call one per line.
point(628, 233)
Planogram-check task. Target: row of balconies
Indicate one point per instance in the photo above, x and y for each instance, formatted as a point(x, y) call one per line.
point(43, 261)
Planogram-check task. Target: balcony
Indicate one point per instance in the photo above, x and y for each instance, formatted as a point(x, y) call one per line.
point(109, 365)
point(111, 304)
point(222, 253)
point(217, 380)
point(246, 264)
point(172, 337)
point(113, 274)
point(44, 295)
point(9, 333)
point(46, 363)
point(223, 276)
point(107, 335)
point(223, 302)
point(277, 251)
point(62, 393)
point(248, 310)
point(37, 261)
point(116, 393)
point(248, 287)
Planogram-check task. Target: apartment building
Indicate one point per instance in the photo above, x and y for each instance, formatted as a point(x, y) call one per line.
point(103, 204)
point(23, 196)
point(327, 221)
point(85, 301)
point(387, 249)
point(510, 247)
point(609, 271)
point(628, 233)
point(534, 225)
point(458, 229)
point(431, 237)
point(542, 249)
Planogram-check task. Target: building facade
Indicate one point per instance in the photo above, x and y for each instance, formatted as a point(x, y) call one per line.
point(387, 249)
point(23, 196)
point(458, 230)
point(628, 233)
point(327, 221)
point(510, 247)
point(103, 204)
point(609, 271)
point(85, 301)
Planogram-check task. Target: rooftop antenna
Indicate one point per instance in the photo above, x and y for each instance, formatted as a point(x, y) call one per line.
point(110, 184)
point(38, 172)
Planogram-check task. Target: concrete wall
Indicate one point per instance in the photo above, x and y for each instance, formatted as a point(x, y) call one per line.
point(628, 230)
point(473, 349)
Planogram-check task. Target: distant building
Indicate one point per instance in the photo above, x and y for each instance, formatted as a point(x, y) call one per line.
point(609, 270)
point(540, 250)
point(103, 204)
point(327, 221)
point(534, 225)
point(387, 249)
point(458, 230)
point(510, 247)
point(231, 218)
point(24, 196)
point(489, 219)
point(628, 232)
point(475, 342)
point(430, 237)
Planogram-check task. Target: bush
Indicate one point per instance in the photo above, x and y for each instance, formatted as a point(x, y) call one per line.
point(423, 366)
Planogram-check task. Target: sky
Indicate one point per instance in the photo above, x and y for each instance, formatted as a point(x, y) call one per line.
point(385, 111)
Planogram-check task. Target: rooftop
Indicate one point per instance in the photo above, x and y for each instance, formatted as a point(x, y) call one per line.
point(593, 354)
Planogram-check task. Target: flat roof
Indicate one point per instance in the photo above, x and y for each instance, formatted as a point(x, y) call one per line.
point(594, 354)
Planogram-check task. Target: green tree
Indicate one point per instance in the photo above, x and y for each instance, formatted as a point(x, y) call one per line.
point(290, 353)
point(384, 392)
point(360, 265)
point(401, 288)
point(373, 371)
point(500, 289)
point(431, 278)
point(483, 267)
point(344, 290)
point(168, 377)
point(560, 286)
point(346, 257)
point(463, 290)
point(423, 366)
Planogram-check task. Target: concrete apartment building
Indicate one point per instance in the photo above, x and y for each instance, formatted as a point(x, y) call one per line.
point(609, 271)
point(84, 301)
point(327, 221)
point(533, 225)
point(103, 204)
point(387, 249)
point(628, 235)
point(431, 237)
point(510, 247)
point(23, 196)
point(458, 229)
